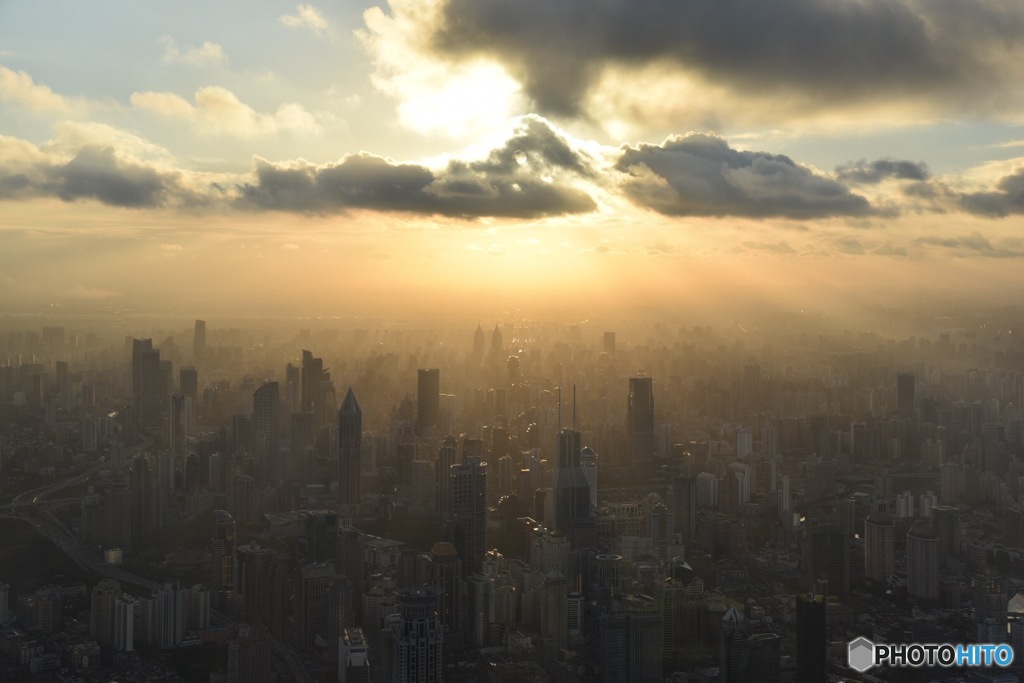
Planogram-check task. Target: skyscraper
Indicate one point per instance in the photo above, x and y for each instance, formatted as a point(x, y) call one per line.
point(419, 640)
point(199, 341)
point(350, 443)
point(312, 590)
point(811, 639)
point(828, 558)
point(146, 382)
point(468, 526)
point(640, 424)
point(101, 611)
point(428, 400)
point(879, 547)
point(684, 507)
point(731, 644)
point(923, 564)
point(264, 427)
point(443, 470)
point(249, 655)
point(312, 375)
point(947, 527)
point(222, 560)
point(572, 493)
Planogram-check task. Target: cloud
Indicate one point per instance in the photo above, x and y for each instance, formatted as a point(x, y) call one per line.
point(93, 172)
point(868, 173)
point(306, 16)
point(700, 175)
point(19, 87)
point(1007, 198)
point(218, 111)
point(974, 244)
point(531, 175)
point(206, 55)
point(960, 56)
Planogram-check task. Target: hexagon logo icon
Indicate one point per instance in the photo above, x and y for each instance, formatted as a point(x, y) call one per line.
point(861, 654)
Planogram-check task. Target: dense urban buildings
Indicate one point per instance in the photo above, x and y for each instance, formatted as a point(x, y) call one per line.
point(777, 501)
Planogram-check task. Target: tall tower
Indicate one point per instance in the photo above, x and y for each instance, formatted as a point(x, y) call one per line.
point(443, 491)
point(428, 400)
point(311, 602)
point(478, 343)
point(468, 528)
point(143, 501)
point(350, 443)
point(146, 382)
point(811, 641)
point(101, 611)
point(249, 655)
point(222, 560)
point(312, 374)
point(640, 424)
point(419, 640)
point(923, 564)
point(265, 402)
point(199, 341)
point(879, 547)
point(572, 493)
point(684, 507)
point(731, 644)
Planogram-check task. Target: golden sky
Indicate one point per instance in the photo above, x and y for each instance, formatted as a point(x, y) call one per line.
point(470, 153)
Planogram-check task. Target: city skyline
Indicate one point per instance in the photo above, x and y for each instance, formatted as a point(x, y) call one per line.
point(404, 150)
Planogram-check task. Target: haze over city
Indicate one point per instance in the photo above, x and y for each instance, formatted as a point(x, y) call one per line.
point(481, 340)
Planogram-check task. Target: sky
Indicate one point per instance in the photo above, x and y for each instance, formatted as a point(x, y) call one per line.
point(484, 154)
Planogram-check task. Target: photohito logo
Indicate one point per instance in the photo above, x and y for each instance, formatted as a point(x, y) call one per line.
point(862, 654)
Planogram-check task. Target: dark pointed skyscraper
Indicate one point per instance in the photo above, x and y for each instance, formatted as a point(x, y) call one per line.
point(572, 492)
point(478, 343)
point(350, 441)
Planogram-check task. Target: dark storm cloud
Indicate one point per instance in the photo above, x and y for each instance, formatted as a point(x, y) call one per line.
point(700, 175)
point(831, 52)
point(871, 172)
point(93, 173)
point(1006, 199)
point(974, 244)
point(524, 178)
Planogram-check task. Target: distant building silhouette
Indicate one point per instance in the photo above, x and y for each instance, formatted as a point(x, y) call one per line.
point(350, 443)
point(640, 424)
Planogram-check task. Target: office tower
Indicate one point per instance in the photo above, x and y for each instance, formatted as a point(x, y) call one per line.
point(905, 393)
point(444, 572)
point(419, 640)
point(608, 343)
point(249, 655)
point(312, 375)
point(264, 427)
point(442, 472)
point(313, 585)
point(640, 425)
point(177, 424)
point(468, 527)
point(946, 520)
point(321, 535)
point(923, 564)
point(588, 463)
point(811, 641)
point(353, 657)
point(572, 494)
point(188, 382)
point(828, 558)
point(252, 582)
point(480, 611)
point(762, 651)
point(684, 507)
point(428, 400)
point(147, 384)
point(554, 620)
point(199, 341)
point(124, 623)
point(879, 544)
point(101, 611)
point(731, 643)
point(350, 443)
point(222, 559)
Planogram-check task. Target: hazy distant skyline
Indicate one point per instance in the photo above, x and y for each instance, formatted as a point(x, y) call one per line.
point(249, 155)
